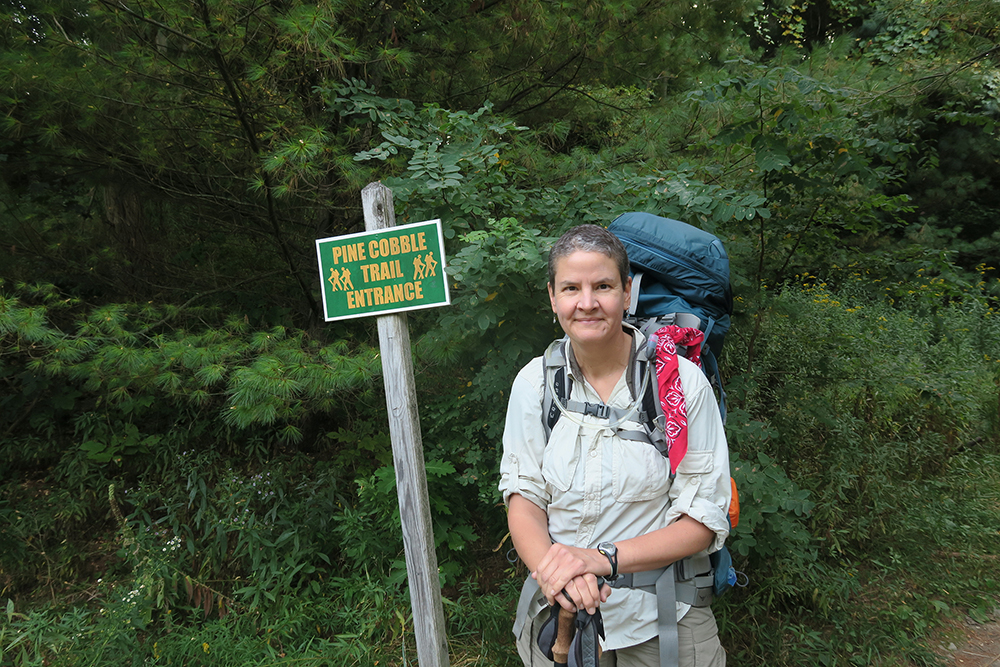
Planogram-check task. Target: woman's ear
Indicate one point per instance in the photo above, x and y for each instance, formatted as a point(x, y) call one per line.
point(628, 293)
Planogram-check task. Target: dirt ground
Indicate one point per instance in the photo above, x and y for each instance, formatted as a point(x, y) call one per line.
point(981, 648)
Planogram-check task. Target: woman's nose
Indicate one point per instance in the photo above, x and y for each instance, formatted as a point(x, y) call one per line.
point(587, 299)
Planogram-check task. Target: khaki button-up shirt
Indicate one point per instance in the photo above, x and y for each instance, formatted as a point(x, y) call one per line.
point(595, 486)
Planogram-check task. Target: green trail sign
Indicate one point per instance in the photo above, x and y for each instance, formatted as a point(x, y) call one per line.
point(381, 272)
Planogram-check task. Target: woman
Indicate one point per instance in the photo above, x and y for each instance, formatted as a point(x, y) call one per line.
point(586, 486)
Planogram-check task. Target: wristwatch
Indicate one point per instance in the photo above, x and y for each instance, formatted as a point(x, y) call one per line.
point(610, 551)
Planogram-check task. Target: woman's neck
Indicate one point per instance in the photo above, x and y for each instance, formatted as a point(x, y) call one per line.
point(603, 366)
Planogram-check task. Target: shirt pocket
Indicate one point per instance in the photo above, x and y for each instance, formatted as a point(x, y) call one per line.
point(562, 454)
point(692, 475)
point(638, 471)
point(696, 463)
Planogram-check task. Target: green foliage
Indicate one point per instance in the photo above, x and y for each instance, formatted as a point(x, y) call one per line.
point(252, 378)
point(370, 532)
point(350, 620)
point(771, 526)
point(860, 417)
point(167, 166)
point(794, 137)
point(195, 524)
point(861, 396)
point(850, 428)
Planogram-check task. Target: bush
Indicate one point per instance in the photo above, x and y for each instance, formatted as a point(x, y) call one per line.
point(857, 411)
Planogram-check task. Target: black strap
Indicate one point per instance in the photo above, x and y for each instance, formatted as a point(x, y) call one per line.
point(561, 384)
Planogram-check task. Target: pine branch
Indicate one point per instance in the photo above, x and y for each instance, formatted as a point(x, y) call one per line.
point(145, 19)
point(227, 288)
point(237, 99)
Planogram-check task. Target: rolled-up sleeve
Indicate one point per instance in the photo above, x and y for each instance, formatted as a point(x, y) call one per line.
point(524, 439)
point(702, 489)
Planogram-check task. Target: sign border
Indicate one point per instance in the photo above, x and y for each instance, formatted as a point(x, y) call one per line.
point(383, 232)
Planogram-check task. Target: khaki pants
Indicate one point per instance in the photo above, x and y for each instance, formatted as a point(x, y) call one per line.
point(697, 636)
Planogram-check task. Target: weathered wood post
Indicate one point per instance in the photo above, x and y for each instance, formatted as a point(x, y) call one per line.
point(408, 456)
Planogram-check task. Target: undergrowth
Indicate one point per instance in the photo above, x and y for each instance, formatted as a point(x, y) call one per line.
point(864, 435)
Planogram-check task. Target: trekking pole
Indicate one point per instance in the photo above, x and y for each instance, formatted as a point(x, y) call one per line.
point(567, 627)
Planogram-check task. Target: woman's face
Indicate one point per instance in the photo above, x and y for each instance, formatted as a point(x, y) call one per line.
point(588, 297)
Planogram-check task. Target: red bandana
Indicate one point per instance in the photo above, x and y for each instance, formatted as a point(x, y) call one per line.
point(668, 381)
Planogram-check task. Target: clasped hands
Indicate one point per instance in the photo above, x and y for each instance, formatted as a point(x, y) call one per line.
point(566, 570)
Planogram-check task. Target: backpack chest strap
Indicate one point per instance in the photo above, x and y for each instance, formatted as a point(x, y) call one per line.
point(599, 410)
point(604, 411)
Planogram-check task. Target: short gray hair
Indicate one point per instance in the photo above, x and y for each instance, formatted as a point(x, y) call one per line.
point(589, 238)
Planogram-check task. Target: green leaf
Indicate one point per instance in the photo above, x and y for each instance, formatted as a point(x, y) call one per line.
point(440, 468)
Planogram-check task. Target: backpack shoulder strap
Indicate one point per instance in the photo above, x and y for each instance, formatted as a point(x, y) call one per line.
point(651, 417)
point(556, 380)
point(633, 306)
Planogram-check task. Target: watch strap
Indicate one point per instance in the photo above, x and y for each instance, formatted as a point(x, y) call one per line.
point(612, 556)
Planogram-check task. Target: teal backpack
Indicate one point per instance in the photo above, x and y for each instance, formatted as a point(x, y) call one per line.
point(680, 276)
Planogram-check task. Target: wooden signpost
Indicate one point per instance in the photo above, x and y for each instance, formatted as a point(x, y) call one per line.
point(400, 394)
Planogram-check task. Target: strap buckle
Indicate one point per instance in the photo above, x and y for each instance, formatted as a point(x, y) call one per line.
point(599, 410)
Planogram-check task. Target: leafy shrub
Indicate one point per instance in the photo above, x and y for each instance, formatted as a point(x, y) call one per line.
point(858, 397)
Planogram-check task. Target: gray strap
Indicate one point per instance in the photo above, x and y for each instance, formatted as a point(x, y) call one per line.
point(528, 593)
point(697, 592)
point(599, 410)
point(662, 582)
point(666, 618)
point(683, 320)
point(697, 568)
point(644, 580)
point(638, 436)
point(554, 355)
point(695, 580)
point(619, 414)
point(634, 296)
point(604, 411)
point(692, 566)
point(687, 320)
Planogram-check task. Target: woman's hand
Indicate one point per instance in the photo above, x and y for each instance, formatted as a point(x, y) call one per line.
point(573, 571)
point(559, 567)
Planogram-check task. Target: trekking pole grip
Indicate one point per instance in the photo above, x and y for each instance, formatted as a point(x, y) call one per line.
point(567, 628)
